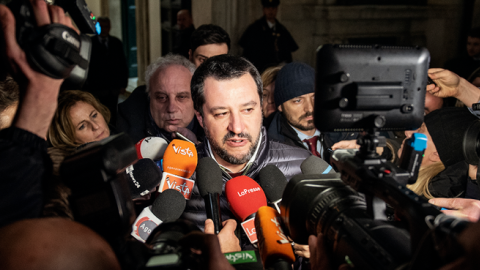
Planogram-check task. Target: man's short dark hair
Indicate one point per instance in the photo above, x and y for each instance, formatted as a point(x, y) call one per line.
point(208, 34)
point(474, 32)
point(221, 68)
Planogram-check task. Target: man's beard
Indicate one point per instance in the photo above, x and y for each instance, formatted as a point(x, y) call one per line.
point(297, 124)
point(223, 153)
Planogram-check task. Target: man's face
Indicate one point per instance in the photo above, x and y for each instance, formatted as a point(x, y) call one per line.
point(232, 118)
point(204, 52)
point(105, 25)
point(299, 112)
point(170, 99)
point(432, 103)
point(184, 20)
point(473, 46)
point(270, 13)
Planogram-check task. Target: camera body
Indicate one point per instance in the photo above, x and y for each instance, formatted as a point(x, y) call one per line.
point(56, 50)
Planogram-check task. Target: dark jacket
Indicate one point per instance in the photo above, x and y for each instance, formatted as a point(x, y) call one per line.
point(134, 118)
point(265, 47)
point(281, 131)
point(25, 164)
point(286, 158)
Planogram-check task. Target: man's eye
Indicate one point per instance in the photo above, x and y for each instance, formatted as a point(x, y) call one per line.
point(161, 98)
point(249, 110)
point(220, 114)
point(297, 100)
point(202, 59)
point(182, 97)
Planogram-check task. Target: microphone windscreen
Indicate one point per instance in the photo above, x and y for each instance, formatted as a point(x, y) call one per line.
point(180, 158)
point(142, 177)
point(245, 196)
point(315, 165)
point(273, 182)
point(272, 242)
point(209, 177)
point(169, 205)
point(151, 147)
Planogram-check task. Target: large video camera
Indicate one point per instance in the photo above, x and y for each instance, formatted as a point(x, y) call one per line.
point(54, 49)
point(371, 89)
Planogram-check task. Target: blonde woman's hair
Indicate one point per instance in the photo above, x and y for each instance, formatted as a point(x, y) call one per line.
point(61, 132)
point(270, 75)
point(426, 174)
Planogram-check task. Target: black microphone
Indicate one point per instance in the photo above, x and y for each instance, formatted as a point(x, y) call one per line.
point(412, 155)
point(142, 177)
point(168, 206)
point(273, 182)
point(209, 182)
point(315, 165)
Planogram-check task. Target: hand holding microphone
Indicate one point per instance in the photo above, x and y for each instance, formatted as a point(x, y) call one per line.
point(227, 238)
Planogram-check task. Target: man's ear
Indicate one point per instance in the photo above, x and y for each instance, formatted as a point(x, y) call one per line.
point(280, 108)
point(190, 55)
point(199, 118)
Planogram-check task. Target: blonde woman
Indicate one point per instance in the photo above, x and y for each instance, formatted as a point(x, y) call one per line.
point(443, 171)
point(79, 119)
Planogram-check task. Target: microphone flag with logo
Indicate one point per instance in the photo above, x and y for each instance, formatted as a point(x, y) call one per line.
point(245, 196)
point(168, 206)
point(273, 246)
point(179, 164)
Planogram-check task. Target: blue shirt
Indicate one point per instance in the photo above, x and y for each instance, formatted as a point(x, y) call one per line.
point(302, 137)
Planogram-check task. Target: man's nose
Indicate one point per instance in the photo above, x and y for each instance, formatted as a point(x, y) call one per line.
point(236, 123)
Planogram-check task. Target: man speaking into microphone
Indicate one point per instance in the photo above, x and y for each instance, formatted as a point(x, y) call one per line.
point(227, 95)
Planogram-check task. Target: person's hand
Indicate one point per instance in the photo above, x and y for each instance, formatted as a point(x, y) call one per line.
point(347, 144)
point(459, 207)
point(227, 238)
point(447, 83)
point(39, 91)
point(319, 255)
point(208, 247)
point(301, 250)
point(184, 131)
point(450, 84)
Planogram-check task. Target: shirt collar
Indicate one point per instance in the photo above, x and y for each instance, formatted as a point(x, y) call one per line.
point(302, 136)
point(247, 165)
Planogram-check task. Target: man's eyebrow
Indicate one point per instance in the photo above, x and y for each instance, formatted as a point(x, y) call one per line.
point(183, 93)
point(250, 103)
point(201, 55)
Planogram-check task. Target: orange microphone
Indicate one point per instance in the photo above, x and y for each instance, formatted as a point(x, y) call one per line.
point(179, 164)
point(274, 248)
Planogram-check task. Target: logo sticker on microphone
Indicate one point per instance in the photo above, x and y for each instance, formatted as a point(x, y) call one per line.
point(249, 229)
point(183, 185)
point(181, 151)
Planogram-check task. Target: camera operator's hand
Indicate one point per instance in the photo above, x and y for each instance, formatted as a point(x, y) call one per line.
point(449, 84)
point(320, 257)
point(301, 250)
point(227, 238)
point(459, 207)
point(208, 247)
point(39, 91)
point(351, 144)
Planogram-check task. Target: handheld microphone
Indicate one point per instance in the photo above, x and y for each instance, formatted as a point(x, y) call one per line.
point(142, 177)
point(168, 206)
point(315, 165)
point(412, 155)
point(151, 147)
point(179, 163)
point(245, 197)
point(273, 182)
point(210, 184)
point(275, 249)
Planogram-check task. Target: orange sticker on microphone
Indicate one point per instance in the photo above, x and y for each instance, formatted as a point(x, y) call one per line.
point(249, 229)
point(182, 185)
